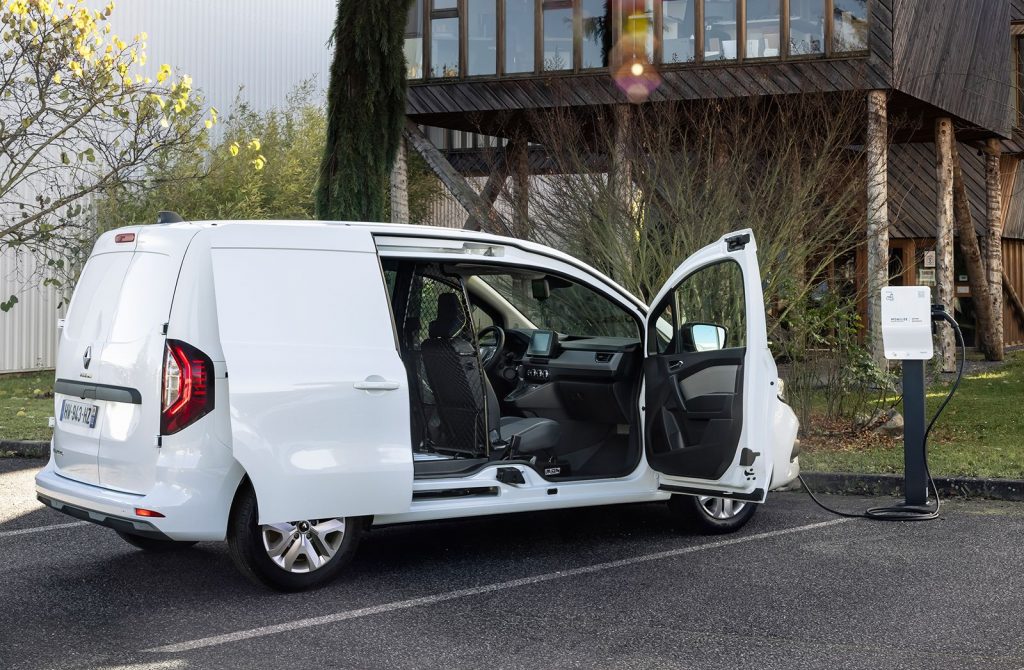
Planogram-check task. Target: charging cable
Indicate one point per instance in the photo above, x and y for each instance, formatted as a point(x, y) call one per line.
point(912, 512)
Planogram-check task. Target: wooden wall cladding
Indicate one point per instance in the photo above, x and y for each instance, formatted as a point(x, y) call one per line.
point(1013, 266)
point(912, 188)
point(955, 55)
point(496, 96)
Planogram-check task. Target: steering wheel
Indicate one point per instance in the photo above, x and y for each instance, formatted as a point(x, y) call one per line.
point(490, 354)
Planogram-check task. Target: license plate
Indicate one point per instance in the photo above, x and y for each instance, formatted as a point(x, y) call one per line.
point(80, 413)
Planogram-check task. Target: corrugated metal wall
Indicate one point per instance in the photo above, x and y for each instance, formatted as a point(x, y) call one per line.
point(266, 46)
point(28, 333)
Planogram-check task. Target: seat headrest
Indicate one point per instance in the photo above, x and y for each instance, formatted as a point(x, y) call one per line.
point(451, 318)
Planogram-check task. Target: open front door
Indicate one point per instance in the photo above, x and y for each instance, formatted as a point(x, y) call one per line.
point(709, 375)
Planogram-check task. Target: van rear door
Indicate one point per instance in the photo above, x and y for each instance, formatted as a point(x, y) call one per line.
point(76, 435)
point(318, 393)
point(107, 393)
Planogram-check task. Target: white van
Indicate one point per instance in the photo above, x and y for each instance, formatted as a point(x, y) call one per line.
point(284, 385)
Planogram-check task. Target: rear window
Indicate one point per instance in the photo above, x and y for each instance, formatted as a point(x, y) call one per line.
point(95, 299)
point(121, 297)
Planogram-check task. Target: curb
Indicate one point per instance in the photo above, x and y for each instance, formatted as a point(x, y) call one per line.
point(25, 449)
point(892, 485)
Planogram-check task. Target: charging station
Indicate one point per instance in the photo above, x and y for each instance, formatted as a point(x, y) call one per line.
point(907, 314)
point(907, 337)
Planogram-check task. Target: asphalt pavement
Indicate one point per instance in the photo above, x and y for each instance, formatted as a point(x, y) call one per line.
point(613, 587)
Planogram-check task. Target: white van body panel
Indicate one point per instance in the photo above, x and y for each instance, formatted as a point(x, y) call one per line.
point(319, 397)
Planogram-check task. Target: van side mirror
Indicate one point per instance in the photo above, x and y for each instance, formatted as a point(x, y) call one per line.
point(703, 336)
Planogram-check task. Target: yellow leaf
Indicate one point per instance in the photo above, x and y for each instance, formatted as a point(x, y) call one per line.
point(57, 79)
point(254, 145)
point(233, 148)
point(209, 124)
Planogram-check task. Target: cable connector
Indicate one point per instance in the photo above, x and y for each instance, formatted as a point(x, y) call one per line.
point(938, 312)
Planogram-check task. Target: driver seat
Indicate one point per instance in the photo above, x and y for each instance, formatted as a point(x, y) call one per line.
point(463, 392)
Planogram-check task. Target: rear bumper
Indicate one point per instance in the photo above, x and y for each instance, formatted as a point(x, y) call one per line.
point(133, 526)
point(195, 502)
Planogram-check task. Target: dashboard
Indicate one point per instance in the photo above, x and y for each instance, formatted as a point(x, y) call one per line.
point(578, 378)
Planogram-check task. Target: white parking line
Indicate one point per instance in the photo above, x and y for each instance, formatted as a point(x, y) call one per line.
point(477, 590)
point(40, 529)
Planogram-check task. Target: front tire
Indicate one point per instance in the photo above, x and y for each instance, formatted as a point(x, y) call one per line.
point(289, 556)
point(710, 516)
point(153, 544)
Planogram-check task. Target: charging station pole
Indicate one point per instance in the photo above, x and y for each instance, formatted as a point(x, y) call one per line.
point(915, 475)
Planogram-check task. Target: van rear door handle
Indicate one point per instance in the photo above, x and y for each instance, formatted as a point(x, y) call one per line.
point(375, 383)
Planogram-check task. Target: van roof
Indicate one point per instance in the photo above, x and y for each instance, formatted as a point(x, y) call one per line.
point(390, 229)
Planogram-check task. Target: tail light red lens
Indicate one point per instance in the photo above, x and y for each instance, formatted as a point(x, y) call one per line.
point(187, 393)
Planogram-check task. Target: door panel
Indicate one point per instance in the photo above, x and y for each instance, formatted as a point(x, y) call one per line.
point(318, 394)
point(709, 375)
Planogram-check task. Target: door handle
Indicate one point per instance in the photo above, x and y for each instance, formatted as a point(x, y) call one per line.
point(675, 366)
point(376, 384)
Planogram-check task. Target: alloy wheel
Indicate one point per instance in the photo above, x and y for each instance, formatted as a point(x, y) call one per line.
point(721, 508)
point(303, 546)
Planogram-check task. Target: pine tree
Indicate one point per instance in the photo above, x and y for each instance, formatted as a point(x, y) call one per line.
point(365, 109)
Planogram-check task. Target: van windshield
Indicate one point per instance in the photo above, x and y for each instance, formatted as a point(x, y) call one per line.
point(553, 303)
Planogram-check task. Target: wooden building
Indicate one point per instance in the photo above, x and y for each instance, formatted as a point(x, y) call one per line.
point(478, 68)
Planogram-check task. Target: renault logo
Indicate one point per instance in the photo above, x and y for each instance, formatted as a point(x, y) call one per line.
point(87, 357)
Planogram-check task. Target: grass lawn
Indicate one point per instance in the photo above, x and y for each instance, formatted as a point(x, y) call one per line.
point(26, 404)
point(980, 434)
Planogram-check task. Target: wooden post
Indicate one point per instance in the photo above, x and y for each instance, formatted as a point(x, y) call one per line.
point(519, 169)
point(944, 236)
point(485, 216)
point(994, 244)
point(877, 218)
point(400, 186)
point(620, 169)
point(493, 187)
point(969, 247)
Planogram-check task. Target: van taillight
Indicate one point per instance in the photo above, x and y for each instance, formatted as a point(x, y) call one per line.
point(187, 391)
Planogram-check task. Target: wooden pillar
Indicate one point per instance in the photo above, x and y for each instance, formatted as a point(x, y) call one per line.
point(877, 218)
point(944, 237)
point(400, 186)
point(620, 169)
point(519, 168)
point(994, 244)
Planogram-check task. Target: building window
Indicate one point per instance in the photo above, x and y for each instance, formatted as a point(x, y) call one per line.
point(678, 31)
point(481, 37)
point(849, 25)
point(519, 30)
point(719, 30)
point(596, 21)
point(558, 34)
point(414, 41)
point(764, 26)
point(444, 48)
point(638, 31)
point(806, 27)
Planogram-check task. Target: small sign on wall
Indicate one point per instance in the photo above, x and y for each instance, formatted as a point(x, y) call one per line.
point(926, 277)
point(963, 290)
point(929, 262)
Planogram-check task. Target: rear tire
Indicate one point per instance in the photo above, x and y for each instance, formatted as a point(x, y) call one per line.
point(153, 544)
point(710, 516)
point(262, 553)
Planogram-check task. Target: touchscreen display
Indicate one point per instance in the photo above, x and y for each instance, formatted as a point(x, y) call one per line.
point(541, 343)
